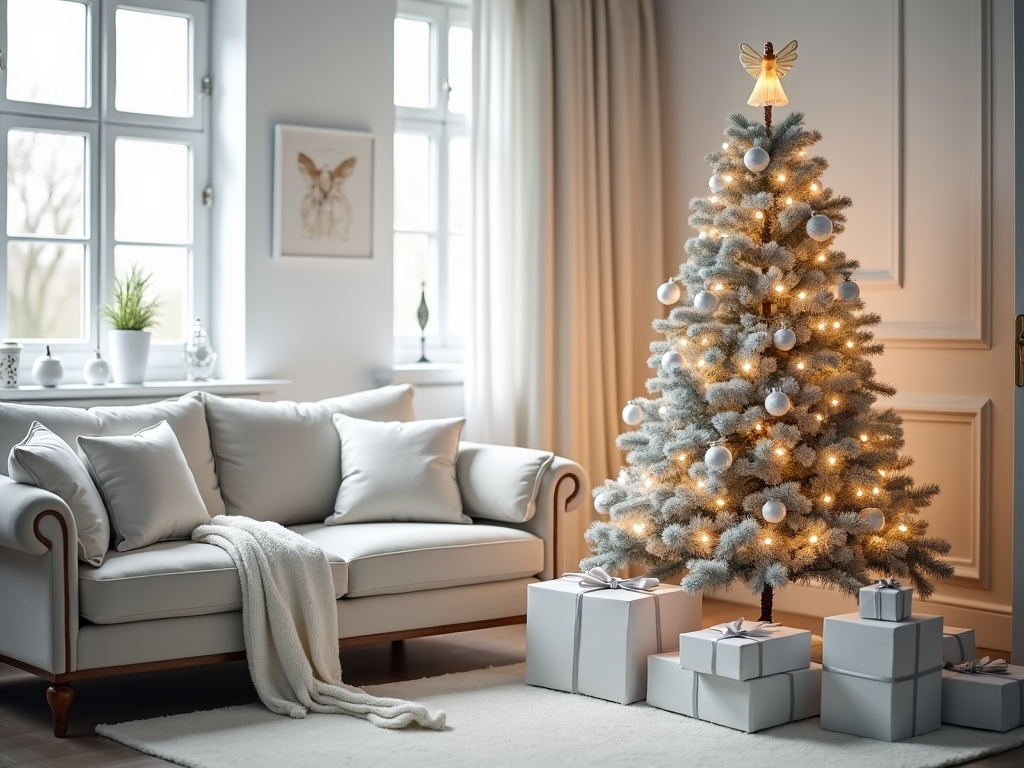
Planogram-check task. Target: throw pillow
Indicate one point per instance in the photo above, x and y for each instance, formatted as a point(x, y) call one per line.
point(146, 484)
point(501, 482)
point(398, 471)
point(44, 460)
point(281, 461)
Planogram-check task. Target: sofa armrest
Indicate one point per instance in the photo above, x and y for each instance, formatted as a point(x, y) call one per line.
point(38, 578)
point(562, 492)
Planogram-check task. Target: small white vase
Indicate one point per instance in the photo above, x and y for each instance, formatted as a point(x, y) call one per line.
point(129, 354)
point(96, 371)
point(48, 371)
point(10, 359)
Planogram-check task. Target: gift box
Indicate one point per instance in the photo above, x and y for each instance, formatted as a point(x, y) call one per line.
point(886, 601)
point(882, 679)
point(596, 641)
point(958, 645)
point(984, 699)
point(743, 650)
point(746, 705)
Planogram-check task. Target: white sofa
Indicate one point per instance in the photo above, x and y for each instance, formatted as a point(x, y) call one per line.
point(178, 603)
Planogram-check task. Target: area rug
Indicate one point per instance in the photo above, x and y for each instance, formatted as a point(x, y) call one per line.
point(495, 719)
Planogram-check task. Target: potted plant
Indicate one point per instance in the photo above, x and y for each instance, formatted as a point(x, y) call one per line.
point(131, 314)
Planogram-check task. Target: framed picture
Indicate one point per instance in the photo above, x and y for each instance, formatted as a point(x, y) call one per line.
point(323, 192)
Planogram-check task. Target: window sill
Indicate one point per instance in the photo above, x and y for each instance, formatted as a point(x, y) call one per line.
point(126, 394)
point(420, 374)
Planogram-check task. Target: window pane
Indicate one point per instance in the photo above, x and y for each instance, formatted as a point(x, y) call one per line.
point(458, 283)
point(153, 64)
point(413, 198)
point(460, 70)
point(46, 183)
point(459, 181)
point(151, 191)
point(412, 63)
point(44, 290)
point(48, 52)
point(414, 265)
point(168, 284)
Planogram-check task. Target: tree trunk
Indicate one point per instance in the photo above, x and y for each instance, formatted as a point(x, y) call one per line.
point(766, 603)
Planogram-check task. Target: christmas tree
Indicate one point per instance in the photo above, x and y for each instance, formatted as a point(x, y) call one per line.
point(759, 456)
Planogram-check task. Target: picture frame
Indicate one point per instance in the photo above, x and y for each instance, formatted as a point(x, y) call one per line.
point(323, 192)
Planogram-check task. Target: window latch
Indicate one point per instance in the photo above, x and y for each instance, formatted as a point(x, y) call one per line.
point(208, 197)
point(207, 87)
point(446, 85)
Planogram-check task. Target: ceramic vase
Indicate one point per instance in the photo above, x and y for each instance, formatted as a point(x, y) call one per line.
point(10, 359)
point(47, 371)
point(129, 354)
point(96, 371)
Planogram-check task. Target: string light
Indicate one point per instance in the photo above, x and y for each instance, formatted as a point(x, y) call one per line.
point(819, 417)
point(638, 528)
point(767, 542)
point(849, 345)
point(881, 472)
point(662, 411)
point(827, 499)
point(700, 363)
point(779, 451)
point(746, 366)
point(704, 341)
point(681, 458)
point(782, 177)
point(821, 326)
point(875, 491)
point(789, 201)
point(832, 460)
point(863, 438)
point(700, 483)
point(803, 152)
point(720, 502)
point(835, 324)
point(718, 286)
point(814, 186)
point(725, 145)
point(649, 483)
point(728, 178)
point(860, 493)
point(714, 198)
point(702, 236)
point(757, 427)
point(903, 529)
point(758, 215)
point(704, 538)
point(683, 342)
point(800, 366)
point(802, 295)
point(835, 401)
point(814, 539)
point(779, 288)
point(821, 257)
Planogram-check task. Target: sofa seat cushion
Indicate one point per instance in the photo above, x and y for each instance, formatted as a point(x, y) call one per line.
point(171, 578)
point(390, 558)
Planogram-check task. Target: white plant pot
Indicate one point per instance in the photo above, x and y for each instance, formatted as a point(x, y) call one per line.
point(129, 353)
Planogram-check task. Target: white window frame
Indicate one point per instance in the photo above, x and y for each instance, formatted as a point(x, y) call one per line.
point(443, 345)
point(104, 124)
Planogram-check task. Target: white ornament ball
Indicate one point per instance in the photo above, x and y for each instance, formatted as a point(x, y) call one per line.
point(756, 159)
point(874, 518)
point(773, 511)
point(819, 227)
point(669, 293)
point(777, 403)
point(705, 302)
point(671, 361)
point(848, 290)
point(716, 184)
point(96, 371)
point(633, 414)
point(784, 339)
point(718, 458)
point(601, 503)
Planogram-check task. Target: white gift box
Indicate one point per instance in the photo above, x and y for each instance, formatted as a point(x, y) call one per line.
point(744, 658)
point(602, 650)
point(958, 645)
point(746, 705)
point(885, 603)
point(989, 701)
point(882, 679)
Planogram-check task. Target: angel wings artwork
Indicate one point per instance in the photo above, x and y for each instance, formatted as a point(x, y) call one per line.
point(768, 69)
point(326, 211)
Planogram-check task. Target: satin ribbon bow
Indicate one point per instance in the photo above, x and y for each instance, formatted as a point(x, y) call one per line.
point(599, 578)
point(735, 629)
point(887, 584)
point(983, 666)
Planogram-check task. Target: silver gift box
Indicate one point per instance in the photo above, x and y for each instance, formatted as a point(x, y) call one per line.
point(886, 604)
point(990, 702)
point(958, 645)
point(618, 630)
point(744, 658)
point(746, 705)
point(882, 679)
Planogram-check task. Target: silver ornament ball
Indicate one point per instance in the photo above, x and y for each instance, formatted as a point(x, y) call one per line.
point(669, 293)
point(819, 227)
point(777, 403)
point(718, 458)
point(705, 302)
point(773, 511)
point(671, 361)
point(633, 414)
point(756, 159)
point(601, 503)
point(716, 184)
point(848, 290)
point(784, 339)
point(874, 518)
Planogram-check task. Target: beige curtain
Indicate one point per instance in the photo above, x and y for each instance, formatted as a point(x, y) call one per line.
point(567, 227)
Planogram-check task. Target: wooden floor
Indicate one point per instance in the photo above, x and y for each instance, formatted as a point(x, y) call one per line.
point(26, 738)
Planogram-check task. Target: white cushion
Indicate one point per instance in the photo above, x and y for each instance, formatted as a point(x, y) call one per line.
point(172, 578)
point(389, 558)
point(282, 461)
point(44, 460)
point(186, 415)
point(398, 471)
point(146, 484)
point(500, 482)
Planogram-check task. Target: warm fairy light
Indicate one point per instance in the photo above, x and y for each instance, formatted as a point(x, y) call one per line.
point(714, 198)
point(875, 491)
point(728, 178)
point(779, 451)
point(813, 539)
point(700, 363)
point(803, 152)
point(832, 460)
point(746, 366)
point(700, 483)
point(881, 472)
point(662, 411)
point(681, 458)
point(649, 483)
point(683, 342)
point(802, 295)
point(827, 499)
point(720, 502)
point(704, 341)
point(702, 236)
point(903, 529)
point(757, 427)
point(835, 401)
point(789, 201)
point(849, 345)
point(821, 257)
point(818, 416)
point(782, 177)
point(758, 215)
point(704, 538)
point(860, 493)
point(767, 542)
point(800, 366)
point(725, 145)
point(779, 288)
point(821, 326)
point(814, 186)
point(638, 528)
point(863, 438)
point(718, 286)
point(835, 324)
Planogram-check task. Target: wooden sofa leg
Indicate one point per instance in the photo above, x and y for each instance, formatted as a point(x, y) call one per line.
point(59, 696)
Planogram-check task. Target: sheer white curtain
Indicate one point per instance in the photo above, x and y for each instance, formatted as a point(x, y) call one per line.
point(567, 226)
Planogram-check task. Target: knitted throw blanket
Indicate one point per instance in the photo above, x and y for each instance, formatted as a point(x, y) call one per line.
point(291, 626)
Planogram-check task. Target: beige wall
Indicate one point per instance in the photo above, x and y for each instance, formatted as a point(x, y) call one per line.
point(915, 100)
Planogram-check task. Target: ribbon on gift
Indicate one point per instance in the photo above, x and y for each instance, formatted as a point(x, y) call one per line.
point(597, 579)
point(915, 676)
point(733, 630)
point(876, 597)
point(694, 696)
point(987, 666)
point(960, 644)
